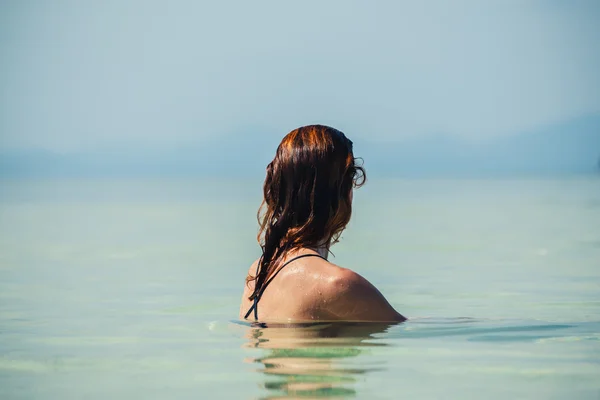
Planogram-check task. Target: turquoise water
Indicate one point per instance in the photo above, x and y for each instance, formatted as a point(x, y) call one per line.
point(121, 289)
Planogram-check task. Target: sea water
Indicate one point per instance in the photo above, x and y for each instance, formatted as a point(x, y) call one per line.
point(130, 289)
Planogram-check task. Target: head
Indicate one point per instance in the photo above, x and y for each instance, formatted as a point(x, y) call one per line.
point(307, 194)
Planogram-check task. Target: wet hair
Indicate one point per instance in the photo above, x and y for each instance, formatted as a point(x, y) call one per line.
point(307, 195)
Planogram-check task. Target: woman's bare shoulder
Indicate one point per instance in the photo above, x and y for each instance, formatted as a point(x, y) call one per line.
point(352, 297)
point(341, 280)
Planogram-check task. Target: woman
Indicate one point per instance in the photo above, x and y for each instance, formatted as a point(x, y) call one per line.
point(307, 204)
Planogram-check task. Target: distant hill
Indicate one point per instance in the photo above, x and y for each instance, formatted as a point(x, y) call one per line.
point(571, 147)
point(237, 156)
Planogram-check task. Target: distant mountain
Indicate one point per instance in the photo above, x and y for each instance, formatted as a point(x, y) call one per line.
point(570, 147)
point(239, 156)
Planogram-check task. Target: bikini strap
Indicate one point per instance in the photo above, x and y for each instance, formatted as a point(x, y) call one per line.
point(262, 289)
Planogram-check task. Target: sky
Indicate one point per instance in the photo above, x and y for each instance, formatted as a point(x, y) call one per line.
point(87, 75)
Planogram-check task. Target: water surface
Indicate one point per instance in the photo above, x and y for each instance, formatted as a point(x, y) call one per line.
point(120, 289)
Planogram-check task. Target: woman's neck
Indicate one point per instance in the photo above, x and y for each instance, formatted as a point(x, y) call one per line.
point(322, 250)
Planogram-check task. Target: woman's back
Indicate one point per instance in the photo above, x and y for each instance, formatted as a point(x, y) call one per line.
point(311, 288)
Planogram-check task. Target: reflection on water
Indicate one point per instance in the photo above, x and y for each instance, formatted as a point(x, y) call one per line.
point(311, 360)
point(341, 360)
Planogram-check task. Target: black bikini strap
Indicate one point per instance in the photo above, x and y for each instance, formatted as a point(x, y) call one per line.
point(262, 290)
point(255, 302)
point(264, 286)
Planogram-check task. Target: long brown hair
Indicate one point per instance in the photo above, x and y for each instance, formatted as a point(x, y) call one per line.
point(307, 195)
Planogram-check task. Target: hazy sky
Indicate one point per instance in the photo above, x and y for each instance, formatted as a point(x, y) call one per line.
point(82, 74)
